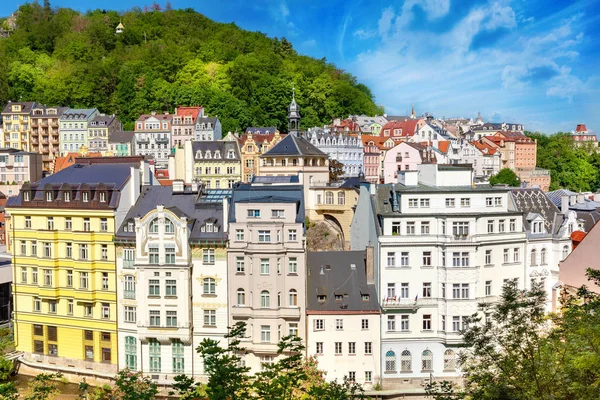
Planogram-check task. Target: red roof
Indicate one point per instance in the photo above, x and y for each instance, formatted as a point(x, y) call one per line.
point(408, 127)
point(268, 137)
point(185, 111)
point(581, 128)
point(161, 173)
point(443, 146)
point(485, 148)
point(347, 123)
point(163, 117)
point(513, 136)
point(61, 163)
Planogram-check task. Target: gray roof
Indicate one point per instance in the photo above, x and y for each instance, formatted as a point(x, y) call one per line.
point(248, 193)
point(12, 150)
point(532, 202)
point(186, 204)
point(556, 195)
point(212, 120)
point(269, 180)
point(121, 136)
point(78, 113)
point(262, 130)
point(332, 273)
point(213, 145)
point(291, 145)
point(107, 119)
point(59, 111)
point(25, 109)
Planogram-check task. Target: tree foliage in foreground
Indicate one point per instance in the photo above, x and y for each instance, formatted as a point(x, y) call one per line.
point(58, 56)
point(522, 353)
point(505, 176)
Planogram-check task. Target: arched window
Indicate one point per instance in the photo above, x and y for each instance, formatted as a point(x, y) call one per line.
point(129, 287)
point(154, 226)
point(449, 360)
point(543, 259)
point(169, 227)
point(293, 298)
point(565, 251)
point(533, 257)
point(405, 361)
point(265, 299)
point(427, 360)
point(341, 198)
point(209, 285)
point(390, 361)
point(241, 297)
point(328, 197)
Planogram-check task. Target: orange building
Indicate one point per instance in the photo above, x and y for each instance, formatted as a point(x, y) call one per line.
point(252, 146)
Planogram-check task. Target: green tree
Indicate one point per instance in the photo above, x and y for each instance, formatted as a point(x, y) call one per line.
point(43, 387)
point(505, 176)
point(134, 386)
point(336, 170)
point(227, 378)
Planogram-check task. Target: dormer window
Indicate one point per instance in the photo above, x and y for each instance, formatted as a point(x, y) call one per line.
point(321, 298)
point(199, 155)
point(102, 197)
point(26, 196)
point(208, 155)
point(85, 197)
point(67, 197)
point(48, 196)
point(217, 154)
point(129, 226)
point(230, 154)
point(365, 297)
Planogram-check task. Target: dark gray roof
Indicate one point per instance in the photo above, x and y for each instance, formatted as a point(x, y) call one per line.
point(12, 150)
point(107, 119)
point(269, 180)
point(77, 113)
point(213, 145)
point(248, 193)
point(261, 130)
point(25, 109)
point(59, 111)
point(181, 204)
point(121, 136)
point(212, 120)
point(291, 145)
point(343, 273)
point(534, 201)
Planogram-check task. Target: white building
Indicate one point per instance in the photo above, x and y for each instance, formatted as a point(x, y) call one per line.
point(444, 246)
point(343, 317)
point(172, 280)
point(207, 128)
point(153, 137)
point(345, 148)
point(266, 263)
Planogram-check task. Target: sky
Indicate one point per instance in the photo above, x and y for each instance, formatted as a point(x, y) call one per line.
point(535, 62)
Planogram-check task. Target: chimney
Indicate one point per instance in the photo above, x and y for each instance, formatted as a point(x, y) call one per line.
point(178, 186)
point(370, 264)
point(225, 214)
point(596, 196)
point(564, 204)
point(195, 186)
point(580, 198)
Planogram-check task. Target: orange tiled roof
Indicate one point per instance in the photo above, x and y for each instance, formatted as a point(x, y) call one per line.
point(408, 127)
point(485, 148)
point(61, 163)
point(443, 146)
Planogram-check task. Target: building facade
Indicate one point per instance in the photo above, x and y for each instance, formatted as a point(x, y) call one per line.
point(121, 143)
point(172, 281)
point(74, 124)
point(18, 167)
point(153, 137)
point(445, 246)
point(342, 315)
point(215, 164)
point(266, 267)
point(61, 236)
point(208, 128)
point(252, 146)
point(345, 148)
point(371, 158)
point(100, 129)
point(45, 133)
point(405, 156)
point(184, 124)
point(17, 125)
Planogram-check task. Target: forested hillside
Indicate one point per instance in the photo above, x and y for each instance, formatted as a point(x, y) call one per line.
point(169, 58)
point(571, 167)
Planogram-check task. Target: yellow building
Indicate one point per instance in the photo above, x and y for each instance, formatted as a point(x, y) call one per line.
point(252, 146)
point(17, 125)
point(64, 286)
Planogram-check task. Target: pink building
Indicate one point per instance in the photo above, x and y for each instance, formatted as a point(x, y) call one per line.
point(184, 123)
point(584, 256)
point(405, 157)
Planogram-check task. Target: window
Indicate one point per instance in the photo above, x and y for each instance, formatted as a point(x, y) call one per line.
point(490, 226)
point(391, 259)
point(277, 213)
point(404, 290)
point(410, 228)
point(253, 213)
point(364, 324)
point(172, 318)
point(47, 249)
point(88, 310)
point(86, 224)
point(413, 203)
point(460, 291)
point(516, 256)
point(264, 236)
point(450, 203)
point(104, 252)
point(293, 265)
point(427, 289)
point(427, 360)
point(293, 298)
point(103, 224)
point(48, 196)
point(489, 201)
point(506, 256)
point(543, 257)
point(391, 323)
point(404, 323)
point(501, 224)
point(465, 202)
point(338, 348)
point(319, 348)
point(391, 291)
point(105, 310)
point(460, 228)
point(339, 324)
point(178, 356)
point(319, 325)
point(488, 288)
point(50, 223)
point(265, 299)
point(395, 228)
point(424, 228)
point(449, 360)
point(565, 251)
point(427, 322)
point(68, 223)
point(240, 265)
point(70, 278)
point(456, 324)
point(154, 287)
point(83, 280)
point(329, 198)
point(131, 352)
point(512, 225)
point(265, 333)
point(404, 259)
point(341, 198)
point(497, 201)
point(426, 258)
point(488, 257)
point(208, 256)
point(352, 348)
point(209, 286)
point(37, 304)
point(390, 361)
point(405, 361)
point(239, 235)
point(169, 227)
point(52, 307)
point(23, 248)
point(241, 297)
point(34, 275)
point(533, 257)
point(27, 222)
point(265, 266)
point(154, 355)
point(154, 317)
point(292, 236)
point(130, 314)
point(210, 317)
point(83, 251)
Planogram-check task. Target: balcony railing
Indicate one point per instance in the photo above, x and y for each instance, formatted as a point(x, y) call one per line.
point(412, 304)
point(129, 294)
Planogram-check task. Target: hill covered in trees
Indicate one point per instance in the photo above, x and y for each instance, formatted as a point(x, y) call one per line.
point(169, 58)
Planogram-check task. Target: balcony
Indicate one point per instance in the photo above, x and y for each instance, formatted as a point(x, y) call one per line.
point(408, 304)
point(161, 139)
point(128, 264)
point(54, 124)
point(182, 332)
point(281, 312)
point(34, 123)
point(129, 294)
point(488, 299)
point(460, 238)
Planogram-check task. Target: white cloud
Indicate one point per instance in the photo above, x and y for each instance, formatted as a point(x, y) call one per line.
point(385, 22)
point(362, 34)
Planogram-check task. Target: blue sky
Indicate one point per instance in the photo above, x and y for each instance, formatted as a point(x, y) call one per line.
point(536, 62)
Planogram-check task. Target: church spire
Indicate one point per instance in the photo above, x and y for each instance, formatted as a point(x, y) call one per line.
point(413, 114)
point(293, 114)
